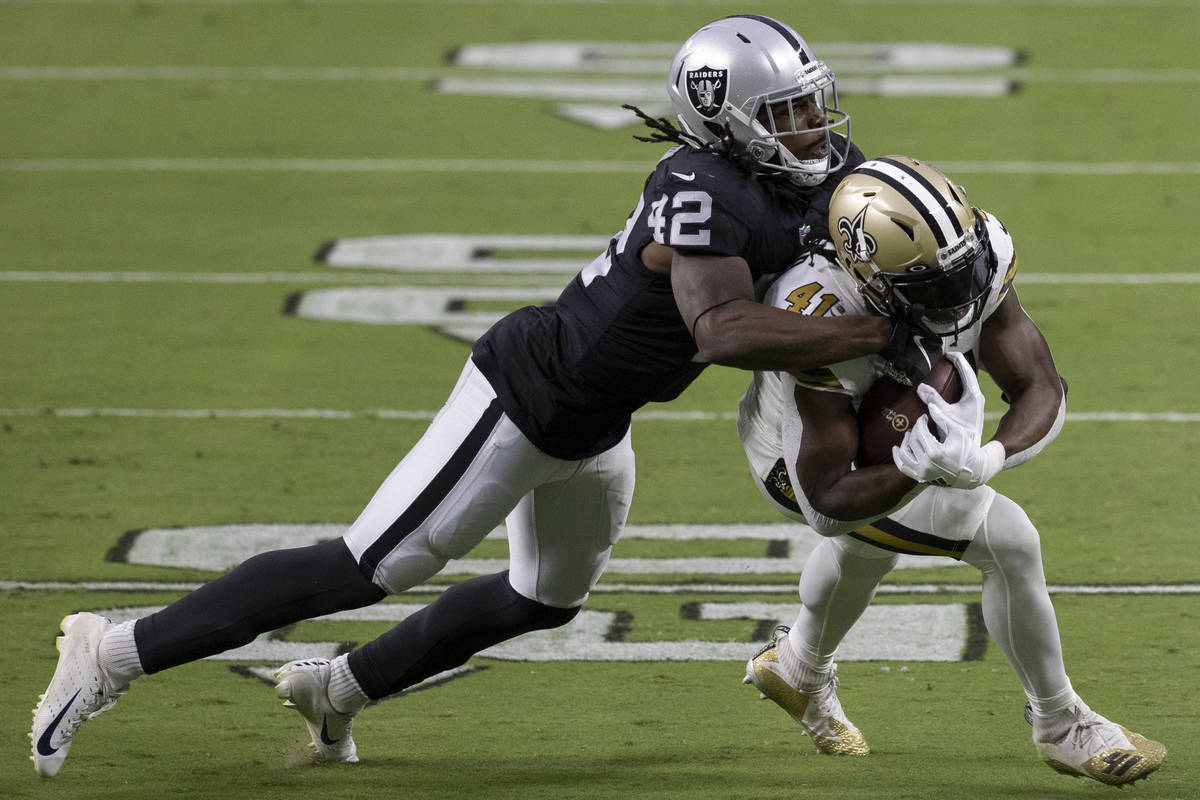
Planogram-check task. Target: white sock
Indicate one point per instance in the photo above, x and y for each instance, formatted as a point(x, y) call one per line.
point(1048, 706)
point(345, 695)
point(119, 658)
point(806, 677)
point(1052, 725)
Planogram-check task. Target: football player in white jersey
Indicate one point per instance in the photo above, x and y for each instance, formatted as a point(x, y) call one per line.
point(909, 245)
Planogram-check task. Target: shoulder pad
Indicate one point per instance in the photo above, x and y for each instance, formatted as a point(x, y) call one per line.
point(1006, 256)
point(689, 168)
point(817, 286)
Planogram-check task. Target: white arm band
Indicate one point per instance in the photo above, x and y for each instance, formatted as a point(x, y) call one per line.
point(1021, 456)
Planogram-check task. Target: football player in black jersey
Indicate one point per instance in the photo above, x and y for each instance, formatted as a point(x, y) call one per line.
point(536, 432)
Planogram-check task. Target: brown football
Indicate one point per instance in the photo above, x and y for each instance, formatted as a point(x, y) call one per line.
point(889, 408)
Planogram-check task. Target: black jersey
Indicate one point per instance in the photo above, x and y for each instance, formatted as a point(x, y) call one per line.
point(570, 375)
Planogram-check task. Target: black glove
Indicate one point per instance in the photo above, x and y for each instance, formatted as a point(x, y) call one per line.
point(911, 351)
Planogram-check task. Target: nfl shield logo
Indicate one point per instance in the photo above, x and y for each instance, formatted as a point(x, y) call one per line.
point(706, 89)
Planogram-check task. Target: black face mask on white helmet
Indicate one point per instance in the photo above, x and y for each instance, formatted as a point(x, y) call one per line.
point(744, 81)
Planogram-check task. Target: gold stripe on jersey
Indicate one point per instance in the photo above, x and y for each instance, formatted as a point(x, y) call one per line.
point(820, 378)
point(1008, 276)
point(891, 535)
point(779, 486)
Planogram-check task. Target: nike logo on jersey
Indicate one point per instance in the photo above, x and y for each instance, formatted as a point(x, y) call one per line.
point(690, 176)
point(43, 746)
point(325, 731)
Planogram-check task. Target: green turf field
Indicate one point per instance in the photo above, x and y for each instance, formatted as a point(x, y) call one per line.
point(169, 168)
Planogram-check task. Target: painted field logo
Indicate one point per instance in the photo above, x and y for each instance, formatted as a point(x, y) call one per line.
point(706, 89)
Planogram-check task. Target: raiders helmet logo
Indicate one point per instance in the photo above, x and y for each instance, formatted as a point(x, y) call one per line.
point(706, 89)
point(859, 245)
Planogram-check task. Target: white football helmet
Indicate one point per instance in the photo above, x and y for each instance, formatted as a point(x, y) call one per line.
point(744, 81)
point(913, 244)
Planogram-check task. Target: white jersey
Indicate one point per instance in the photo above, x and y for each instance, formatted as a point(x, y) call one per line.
point(819, 287)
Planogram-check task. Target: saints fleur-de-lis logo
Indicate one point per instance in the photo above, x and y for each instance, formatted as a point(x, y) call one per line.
point(859, 245)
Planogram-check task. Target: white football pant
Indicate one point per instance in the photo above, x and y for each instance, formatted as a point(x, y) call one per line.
point(840, 577)
point(472, 470)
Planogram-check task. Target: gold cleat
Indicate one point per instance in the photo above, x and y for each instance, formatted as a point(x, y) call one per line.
point(1094, 747)
point(819, 713)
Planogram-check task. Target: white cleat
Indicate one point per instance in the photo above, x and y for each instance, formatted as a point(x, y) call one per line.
point(304, 686)
point(1094, 747)
point(819, 712)
point(78, 692)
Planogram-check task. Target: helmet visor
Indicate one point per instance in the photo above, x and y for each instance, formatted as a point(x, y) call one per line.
point(945, 299)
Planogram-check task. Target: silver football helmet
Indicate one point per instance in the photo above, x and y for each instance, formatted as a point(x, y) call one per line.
point(913, 244)
point(748, 82)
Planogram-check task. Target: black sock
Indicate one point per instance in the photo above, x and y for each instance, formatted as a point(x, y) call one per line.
point(469, 617)
point(265, 592)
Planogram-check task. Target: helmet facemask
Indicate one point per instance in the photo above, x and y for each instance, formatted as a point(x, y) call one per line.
point(914, 245)
point(771, 117)
point(945, 299)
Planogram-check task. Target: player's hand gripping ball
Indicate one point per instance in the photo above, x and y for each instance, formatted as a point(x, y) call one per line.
point(889, 408)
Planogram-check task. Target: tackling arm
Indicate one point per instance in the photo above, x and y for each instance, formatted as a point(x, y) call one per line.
point(715, 296)
point(835, 499)
point(1014, 352)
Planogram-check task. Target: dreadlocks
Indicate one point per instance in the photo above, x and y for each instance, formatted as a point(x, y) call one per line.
point(665, 131)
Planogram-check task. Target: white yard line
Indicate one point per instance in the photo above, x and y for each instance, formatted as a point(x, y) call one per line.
point(151, 276)
point(382, 276)
point(530, 87)
point(640, 588)
point(321, 165)
point(537, 166)
point(764, 5)
point(423, 414)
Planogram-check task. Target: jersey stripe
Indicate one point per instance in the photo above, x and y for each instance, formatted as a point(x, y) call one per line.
point(1008, 276)
point(891, 535)
point(433, 494)
point(819, 378)
point(779, 486)
point(923, 197)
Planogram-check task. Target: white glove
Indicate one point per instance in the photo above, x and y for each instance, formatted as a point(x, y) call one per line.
point(967, 411)
point(957, 460)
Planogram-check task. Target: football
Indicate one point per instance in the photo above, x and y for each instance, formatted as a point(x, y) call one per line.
point(889, 408)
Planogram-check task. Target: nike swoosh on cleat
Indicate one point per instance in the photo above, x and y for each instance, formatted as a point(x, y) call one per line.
point(43, 746)
point(325, 731)
point(691, 176)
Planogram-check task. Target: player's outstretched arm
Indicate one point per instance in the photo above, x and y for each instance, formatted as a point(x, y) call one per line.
point(715, 296)
point(1016, 355)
